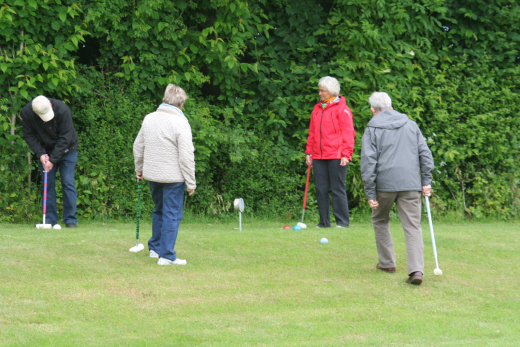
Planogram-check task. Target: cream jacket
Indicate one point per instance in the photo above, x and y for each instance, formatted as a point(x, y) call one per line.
point(163, 149)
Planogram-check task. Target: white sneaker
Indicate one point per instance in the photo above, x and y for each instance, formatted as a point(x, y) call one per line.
point(341, 226)
point(164, 261)
point(154, 254)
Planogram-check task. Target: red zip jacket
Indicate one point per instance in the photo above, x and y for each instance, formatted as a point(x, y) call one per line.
point(331, 132)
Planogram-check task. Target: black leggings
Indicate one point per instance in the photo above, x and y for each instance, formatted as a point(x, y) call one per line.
point(329, 175)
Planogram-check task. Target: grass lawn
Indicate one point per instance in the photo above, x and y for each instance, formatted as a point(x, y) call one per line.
point(264, 286)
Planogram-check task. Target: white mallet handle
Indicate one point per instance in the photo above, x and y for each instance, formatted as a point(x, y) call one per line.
point(431, 230)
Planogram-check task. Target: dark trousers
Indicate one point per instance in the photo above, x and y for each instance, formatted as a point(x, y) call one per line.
point(167, 216)
point(66, 165)
point(329, 175)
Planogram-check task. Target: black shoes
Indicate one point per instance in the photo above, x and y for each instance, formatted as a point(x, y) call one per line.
point(415, 278)
point(72, 225)
point(390, 270)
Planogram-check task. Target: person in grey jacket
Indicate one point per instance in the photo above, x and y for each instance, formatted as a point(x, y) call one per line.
point(396, 166)
point(164, 155)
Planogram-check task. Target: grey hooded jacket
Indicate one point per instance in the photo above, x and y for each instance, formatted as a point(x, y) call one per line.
point(394, 155)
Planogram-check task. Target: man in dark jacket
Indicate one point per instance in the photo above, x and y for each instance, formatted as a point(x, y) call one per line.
point(396, 165)
point(49, 132)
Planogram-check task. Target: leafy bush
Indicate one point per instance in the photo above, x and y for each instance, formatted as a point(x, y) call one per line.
point(231, 162)
point(469, 115)
point(250, 70)
point(107, 117)
point(19, 194)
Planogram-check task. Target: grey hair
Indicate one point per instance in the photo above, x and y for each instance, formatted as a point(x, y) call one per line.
point(174, 95)
point(380, 101)
point(331, 84)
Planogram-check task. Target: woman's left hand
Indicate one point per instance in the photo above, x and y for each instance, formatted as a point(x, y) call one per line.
point(344, 161)
point(308, 160)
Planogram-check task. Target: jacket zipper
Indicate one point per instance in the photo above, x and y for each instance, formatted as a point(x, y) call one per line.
point(321, 122)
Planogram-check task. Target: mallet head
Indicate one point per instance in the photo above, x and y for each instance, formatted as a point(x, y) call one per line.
point(137, 248)
point(43, 226)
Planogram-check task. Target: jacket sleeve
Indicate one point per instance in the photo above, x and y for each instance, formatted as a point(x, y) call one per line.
point(425, 159)
point(29, 135)
point(348, 133)
point(187, 156)
point(66, 133)
point(139, 151)
point(369, 163)
point(310, 138)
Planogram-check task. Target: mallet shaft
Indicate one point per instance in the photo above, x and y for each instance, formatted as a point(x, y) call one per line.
point(306, 191)
point(431, 230)
point(138, 211)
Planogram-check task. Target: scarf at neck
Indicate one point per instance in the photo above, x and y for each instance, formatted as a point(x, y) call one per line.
point(168, 105)
point(326, 102)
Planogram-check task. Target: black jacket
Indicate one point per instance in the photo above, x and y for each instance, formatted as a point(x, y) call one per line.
point(55, 137)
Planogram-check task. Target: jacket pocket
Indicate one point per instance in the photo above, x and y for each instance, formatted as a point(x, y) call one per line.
point(332, 120)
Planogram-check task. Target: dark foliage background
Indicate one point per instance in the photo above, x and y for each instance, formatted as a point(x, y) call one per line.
point(250, 69)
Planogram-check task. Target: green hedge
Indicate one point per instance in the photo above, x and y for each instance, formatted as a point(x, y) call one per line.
point(231, 161)
point(250, 70)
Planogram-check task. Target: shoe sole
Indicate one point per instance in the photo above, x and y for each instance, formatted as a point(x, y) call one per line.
point(165, 264)
point(415, 281)
point(387, 271)
point(172, 264)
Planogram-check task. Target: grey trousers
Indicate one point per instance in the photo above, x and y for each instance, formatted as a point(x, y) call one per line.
point(409, 208)
point(329, 175)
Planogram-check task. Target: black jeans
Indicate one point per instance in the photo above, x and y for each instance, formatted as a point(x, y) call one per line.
point(329, 175)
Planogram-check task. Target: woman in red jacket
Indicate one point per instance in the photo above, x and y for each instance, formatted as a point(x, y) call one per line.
point(329, 150)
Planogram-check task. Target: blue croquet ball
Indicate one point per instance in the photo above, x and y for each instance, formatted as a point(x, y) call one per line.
point(297, 227)
point(324, 241)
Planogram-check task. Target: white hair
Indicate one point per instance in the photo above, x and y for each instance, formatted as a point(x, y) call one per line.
point(174, 95)
point(380, 101)
point(331, 84)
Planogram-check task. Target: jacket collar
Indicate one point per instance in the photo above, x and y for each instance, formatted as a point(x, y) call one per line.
point(338, 100)
point(171, 110)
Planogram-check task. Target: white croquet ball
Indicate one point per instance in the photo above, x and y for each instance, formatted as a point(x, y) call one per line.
point(437, 271)
point(56, 226)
